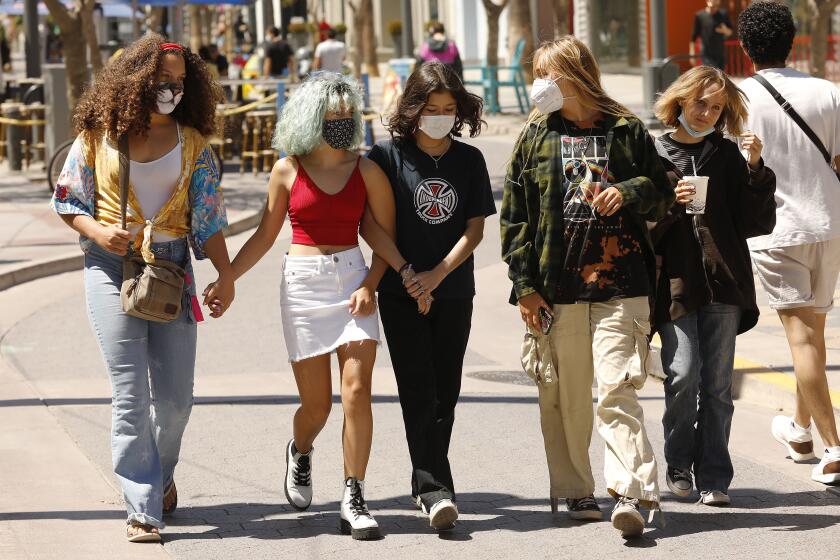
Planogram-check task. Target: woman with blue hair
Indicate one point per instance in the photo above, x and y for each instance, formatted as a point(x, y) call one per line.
point(327, 296)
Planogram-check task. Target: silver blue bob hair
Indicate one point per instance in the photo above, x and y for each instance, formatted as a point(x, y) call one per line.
point(299, 130)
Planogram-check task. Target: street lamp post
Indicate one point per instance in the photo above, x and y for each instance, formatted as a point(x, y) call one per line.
point(408, 30)
point(33, 50)
point(652, 77)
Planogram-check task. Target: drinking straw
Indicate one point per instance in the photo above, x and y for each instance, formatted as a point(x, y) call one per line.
point(694, 165)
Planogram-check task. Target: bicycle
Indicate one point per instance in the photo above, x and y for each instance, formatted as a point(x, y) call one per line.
point(57, 160)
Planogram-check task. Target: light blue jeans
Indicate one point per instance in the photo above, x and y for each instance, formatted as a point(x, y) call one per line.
point(151, 369)
point(698, 353)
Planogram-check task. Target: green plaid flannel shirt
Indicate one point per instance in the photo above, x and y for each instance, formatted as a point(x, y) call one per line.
point(531, 217)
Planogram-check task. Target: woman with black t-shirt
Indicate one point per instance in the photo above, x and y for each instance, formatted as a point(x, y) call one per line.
point(442, 193)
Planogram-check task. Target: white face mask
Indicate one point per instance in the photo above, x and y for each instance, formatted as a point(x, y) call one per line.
point(166, 101)
point(547, 96)
point(691, 132)
point(436, 126)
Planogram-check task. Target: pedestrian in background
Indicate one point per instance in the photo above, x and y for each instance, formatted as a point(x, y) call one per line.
point(327, 297)
point(161, 96)
point(705, 293)
point(798, 264)
point(278, 56)
point(583, 179)
point(329, 54)
point(442, 193)
point(712, 27)
point(438, 47)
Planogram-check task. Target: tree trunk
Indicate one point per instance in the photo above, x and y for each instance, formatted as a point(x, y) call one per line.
point(356, 35)
point(371, 59)
point(364, 38)
point(493, 11)
point(194, 11)
point(155, 19)
point(519, 25)
point(561, 17)
point(822, 10)
point(75, 49)
point(89, 29)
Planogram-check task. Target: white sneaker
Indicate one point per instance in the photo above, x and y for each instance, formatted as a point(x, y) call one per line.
point(714, 498)
point(627, 518)
point(828, 469)
point(798, 442)
point(356, 520)
point(443, 515)
point(298, 484)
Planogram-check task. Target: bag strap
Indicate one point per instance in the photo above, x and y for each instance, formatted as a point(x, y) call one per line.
point(125, 167)
point(794, 115)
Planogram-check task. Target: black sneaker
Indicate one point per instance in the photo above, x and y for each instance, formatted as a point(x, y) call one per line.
point(679, 481)
point(584, 509)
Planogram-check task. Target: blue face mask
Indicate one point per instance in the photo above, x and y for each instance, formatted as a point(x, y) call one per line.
point(691, 132)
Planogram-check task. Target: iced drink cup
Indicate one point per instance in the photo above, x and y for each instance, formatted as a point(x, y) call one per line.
point(698, 203)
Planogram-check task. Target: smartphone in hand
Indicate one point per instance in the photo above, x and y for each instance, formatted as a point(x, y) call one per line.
point(546, 319)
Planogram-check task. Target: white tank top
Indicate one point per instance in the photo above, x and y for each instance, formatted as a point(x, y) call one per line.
point(154, 182)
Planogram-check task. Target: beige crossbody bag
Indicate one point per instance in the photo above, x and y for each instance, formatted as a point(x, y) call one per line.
point(149, 291)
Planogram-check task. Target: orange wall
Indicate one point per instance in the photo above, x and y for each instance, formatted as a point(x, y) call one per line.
point(679, 15)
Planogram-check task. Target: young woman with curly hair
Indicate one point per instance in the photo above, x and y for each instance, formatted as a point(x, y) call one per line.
point(161, 97)
point(443, 195)
point(326, 301)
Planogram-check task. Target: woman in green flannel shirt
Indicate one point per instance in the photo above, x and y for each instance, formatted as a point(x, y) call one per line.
point(583, 180)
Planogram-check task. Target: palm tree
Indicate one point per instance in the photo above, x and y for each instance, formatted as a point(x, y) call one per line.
point(821, 11)
point(364, 37)
point(520, 28)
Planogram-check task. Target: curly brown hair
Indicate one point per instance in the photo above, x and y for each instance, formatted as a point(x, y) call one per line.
point(434, 77)
point(124, 94)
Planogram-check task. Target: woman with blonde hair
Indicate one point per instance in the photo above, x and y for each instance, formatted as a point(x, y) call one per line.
point(705, 295)
point(583, 180)
point(327, 297)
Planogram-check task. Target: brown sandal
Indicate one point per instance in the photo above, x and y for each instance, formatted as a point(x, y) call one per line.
point(170, 499)
point(142, 533)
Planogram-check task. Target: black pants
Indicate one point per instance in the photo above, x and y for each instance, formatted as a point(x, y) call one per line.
point(427, 353)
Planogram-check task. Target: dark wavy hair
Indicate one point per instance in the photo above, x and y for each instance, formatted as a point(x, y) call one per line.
point(435, 77)
point(766, 30)
point(123, 95)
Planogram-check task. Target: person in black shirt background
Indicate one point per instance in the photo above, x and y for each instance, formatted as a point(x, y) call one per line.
point(442, 196)
point(712, 25)
point(278, 55)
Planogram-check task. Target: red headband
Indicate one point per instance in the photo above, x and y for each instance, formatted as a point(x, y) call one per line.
point(171, 47)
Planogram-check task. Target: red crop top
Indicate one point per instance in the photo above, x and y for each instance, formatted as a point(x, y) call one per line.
point(319, 218)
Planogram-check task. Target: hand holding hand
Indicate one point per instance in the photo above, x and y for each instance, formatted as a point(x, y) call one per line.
point(362, 302)
point(608, 202)
point(685, 191)
point(113, 239)
point(219, 295)
point(529, 307)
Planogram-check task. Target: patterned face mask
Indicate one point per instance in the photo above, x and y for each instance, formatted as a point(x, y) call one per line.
point(338, 133)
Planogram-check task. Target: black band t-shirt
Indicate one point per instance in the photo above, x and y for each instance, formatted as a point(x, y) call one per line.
point(603, 254)
point(434, 200)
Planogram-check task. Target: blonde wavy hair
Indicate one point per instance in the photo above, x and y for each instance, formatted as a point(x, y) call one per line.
point(690, 87)
point(571, 59)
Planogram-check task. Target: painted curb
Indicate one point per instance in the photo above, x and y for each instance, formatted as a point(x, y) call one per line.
point(76, 260)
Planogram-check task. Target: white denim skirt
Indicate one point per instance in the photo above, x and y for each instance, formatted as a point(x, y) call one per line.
point(315, 303)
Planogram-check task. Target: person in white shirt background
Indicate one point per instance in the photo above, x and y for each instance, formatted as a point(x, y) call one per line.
point(329, 54)
point(798, 264)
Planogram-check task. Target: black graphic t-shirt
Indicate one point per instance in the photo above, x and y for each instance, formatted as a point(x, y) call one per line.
point(434, 203)
point(604, 258)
